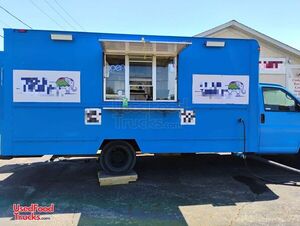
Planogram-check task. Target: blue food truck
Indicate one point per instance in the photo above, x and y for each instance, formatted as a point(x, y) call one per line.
point(113, 95)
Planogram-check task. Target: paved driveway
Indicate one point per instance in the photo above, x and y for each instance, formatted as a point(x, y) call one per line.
point(174, 190)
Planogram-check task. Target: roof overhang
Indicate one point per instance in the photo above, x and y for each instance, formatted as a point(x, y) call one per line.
point(252, 32)
point(141, 47)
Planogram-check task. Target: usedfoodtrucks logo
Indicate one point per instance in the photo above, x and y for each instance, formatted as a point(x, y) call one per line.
point(46, 86)
point(32, 212)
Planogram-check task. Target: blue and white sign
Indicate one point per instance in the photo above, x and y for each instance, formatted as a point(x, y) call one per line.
point(46, 86)
point(220, 89)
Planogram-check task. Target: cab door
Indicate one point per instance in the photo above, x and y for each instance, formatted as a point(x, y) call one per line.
point(280, 122)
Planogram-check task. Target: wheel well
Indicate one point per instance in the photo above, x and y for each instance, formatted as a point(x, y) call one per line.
point(130, 141)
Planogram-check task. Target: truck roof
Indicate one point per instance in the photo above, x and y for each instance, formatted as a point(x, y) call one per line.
point(120, 35)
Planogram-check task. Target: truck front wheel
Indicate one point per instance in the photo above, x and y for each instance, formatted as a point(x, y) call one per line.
point(117, 157)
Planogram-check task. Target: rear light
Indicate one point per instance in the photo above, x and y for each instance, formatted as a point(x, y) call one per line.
point(22, 30)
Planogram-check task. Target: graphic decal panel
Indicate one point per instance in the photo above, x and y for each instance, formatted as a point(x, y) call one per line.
point(187, 117)
point(46, 86)
point(93, 116)
point(220, 89)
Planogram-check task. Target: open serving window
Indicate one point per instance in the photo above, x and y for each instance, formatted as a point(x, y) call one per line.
point(140, 71)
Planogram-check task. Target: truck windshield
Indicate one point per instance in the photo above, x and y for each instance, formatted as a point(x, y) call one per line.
point(276, 99)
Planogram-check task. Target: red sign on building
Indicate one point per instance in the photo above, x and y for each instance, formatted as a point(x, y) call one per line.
point(272, 66)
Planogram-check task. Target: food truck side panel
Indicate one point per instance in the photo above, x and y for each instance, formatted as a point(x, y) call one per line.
point(2, 58)
point(59, 128)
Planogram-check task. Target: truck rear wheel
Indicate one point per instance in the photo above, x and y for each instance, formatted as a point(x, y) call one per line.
point(117, 157)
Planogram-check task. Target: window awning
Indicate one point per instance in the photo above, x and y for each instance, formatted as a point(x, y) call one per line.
point(142, 47)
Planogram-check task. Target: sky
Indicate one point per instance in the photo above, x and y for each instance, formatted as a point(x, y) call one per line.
point(278, 19)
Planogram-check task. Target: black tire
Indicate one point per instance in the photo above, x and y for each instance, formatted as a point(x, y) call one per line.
point(188, 154)
point(117, 157)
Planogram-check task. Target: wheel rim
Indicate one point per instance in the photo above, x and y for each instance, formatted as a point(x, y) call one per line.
point(118, 158)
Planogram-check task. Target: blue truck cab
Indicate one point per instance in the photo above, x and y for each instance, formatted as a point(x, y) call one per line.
point(280, 120)
point(114, 95)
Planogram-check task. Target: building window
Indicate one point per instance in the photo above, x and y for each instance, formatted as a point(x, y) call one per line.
point(114, 77)
point(140, 78)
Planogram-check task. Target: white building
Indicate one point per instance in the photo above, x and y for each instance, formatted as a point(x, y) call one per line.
point(279, 63)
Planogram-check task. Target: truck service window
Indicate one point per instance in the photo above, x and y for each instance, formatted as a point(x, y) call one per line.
point(141, 70)
point(278, 100)
point(114, 74)
point(165, 78)
point(140, 78)
point(149, 78)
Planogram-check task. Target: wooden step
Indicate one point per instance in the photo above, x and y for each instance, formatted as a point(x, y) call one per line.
point(108, 179)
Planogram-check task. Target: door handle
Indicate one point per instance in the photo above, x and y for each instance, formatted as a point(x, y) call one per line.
point(262, 118)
